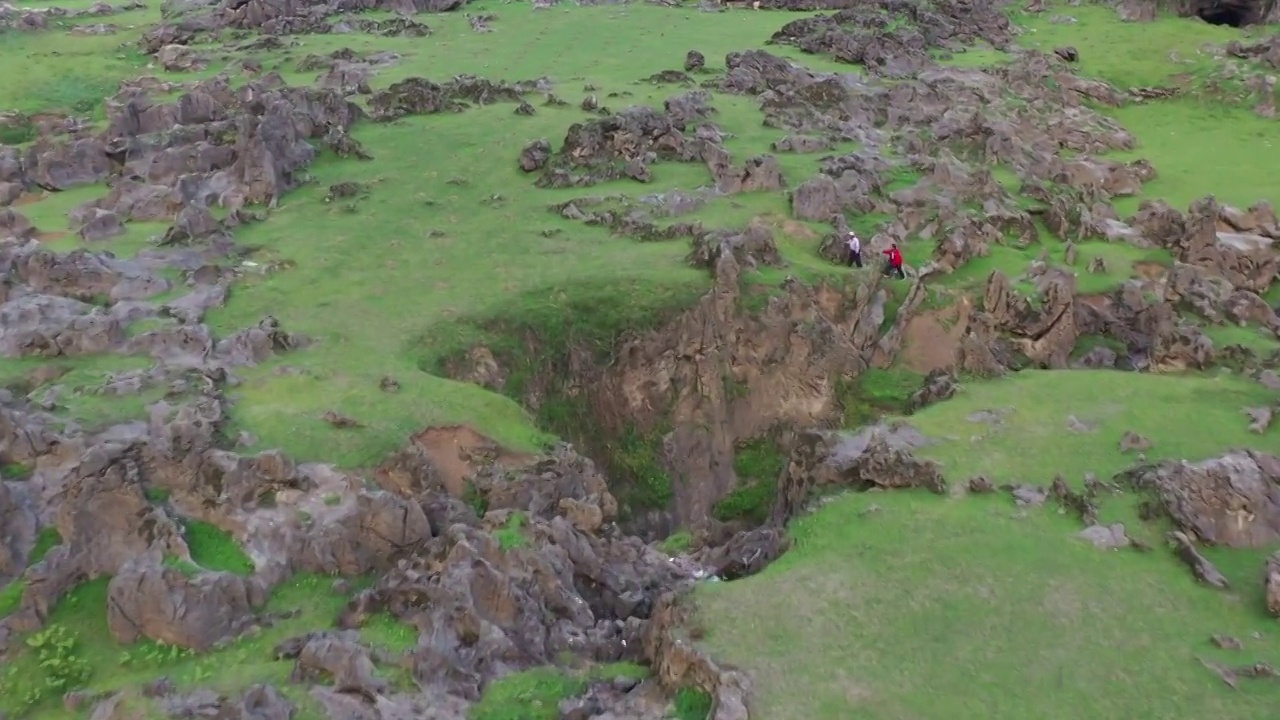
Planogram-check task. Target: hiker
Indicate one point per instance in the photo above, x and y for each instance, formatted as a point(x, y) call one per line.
point(855, 249)
point(894, 265)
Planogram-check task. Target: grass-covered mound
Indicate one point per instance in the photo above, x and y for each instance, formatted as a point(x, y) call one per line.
point(897, 605)
point(906, 604)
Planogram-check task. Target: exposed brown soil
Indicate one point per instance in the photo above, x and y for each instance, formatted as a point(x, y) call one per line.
point(933, 337)
point(458, 452)
point(1151, 270)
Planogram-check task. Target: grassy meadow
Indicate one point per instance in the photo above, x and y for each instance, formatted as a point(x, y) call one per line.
point(907, 605)
point(893, 605)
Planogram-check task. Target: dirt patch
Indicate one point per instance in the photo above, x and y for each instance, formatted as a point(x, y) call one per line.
point(1098, 302)
point(50, 236)
point(458, 451)
point(1151, 270)
point(787, 226)
point(933, 337)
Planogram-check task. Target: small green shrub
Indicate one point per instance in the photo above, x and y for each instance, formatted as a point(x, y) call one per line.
point(530, 695)
point(47, 539)
point(692, 704)
point(677, 543)
point(512, 536)
point(471, 496)
point(637, 455)
point(17, 134)
point(758, 464)
point(14, 471)
point(387, 631)
point(156, 495)
point(751, 502)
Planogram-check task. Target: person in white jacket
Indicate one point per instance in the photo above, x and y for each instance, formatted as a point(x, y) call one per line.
point(855, 249)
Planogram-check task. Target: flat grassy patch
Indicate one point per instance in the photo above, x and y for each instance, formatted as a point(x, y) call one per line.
point(73, 78)
point(905, 604)
point(1188, 416)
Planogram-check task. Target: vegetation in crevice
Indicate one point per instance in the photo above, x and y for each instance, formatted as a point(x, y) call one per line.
point(757, 463)
point(875, 393)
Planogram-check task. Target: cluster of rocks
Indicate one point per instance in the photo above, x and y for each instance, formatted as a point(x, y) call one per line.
point(1229, 501)
point(31, 19)
point(627, 144)
point(176, 162)
point(572, 585)
point(186, 24)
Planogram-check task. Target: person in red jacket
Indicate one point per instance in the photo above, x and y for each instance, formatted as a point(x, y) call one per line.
point(894, 266)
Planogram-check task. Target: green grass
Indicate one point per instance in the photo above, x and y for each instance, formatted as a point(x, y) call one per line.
point(535, 694)
point(47, 539)
point(930, 608)
point(487, 255)
point(14, 471)
point(909, 605)
point(81, 397)
point(692, 704)
point(1198, 143)
point(875, 393)
point(11, 596)
point(1126, 54)
point(757, 464)
point(512, 535)
point(74, 78)
point(677, 543)
point(386, 631)
point(1254, 338)
point(960, 608)
point(247, 661)
point(1032, 443)
point(215, 549)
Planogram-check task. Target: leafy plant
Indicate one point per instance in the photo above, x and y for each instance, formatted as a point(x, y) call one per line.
point(61, 669)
